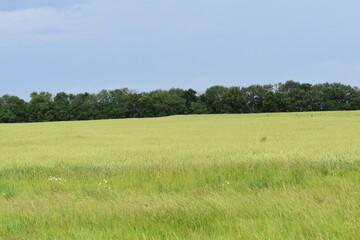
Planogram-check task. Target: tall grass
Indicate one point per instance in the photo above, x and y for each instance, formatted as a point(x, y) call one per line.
point(256, 176)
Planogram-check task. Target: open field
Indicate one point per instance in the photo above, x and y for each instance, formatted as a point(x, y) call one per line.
point(255, 176)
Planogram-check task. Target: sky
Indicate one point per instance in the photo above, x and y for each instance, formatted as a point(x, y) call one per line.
point(89, 45)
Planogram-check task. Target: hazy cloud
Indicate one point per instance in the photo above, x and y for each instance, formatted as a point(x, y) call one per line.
point(11, 5)
point(145, 44)
point(37, 24)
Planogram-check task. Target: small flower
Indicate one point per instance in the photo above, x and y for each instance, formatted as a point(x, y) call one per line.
point(57, 180)
point(103, 182)
point(103, 185)
point(226, 183)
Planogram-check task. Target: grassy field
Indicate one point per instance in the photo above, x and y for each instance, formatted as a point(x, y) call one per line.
point(256, 176)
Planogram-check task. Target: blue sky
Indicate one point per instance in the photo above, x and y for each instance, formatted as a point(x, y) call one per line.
point(89, 45)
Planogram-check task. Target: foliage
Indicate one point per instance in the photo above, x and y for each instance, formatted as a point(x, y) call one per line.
point(124, 103)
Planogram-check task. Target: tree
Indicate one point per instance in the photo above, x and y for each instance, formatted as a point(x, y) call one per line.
point(12, 109)
point(333, 96)
point(190, 99)
point(235, 100)
point(62, 107)
point(255, 96)
point(119, 100)
point(176, 101)
point(215, 99)
point(84, 106)
point(124, 103)
point(41, 107)
point(299, 96)
point(355, 102)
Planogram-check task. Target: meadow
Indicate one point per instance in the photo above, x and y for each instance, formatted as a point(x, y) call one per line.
point(247, 176)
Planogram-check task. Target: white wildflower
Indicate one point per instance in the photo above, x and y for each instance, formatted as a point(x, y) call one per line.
point(57, 180)
point(226, 183)
point(104, 185)
point(103, 182)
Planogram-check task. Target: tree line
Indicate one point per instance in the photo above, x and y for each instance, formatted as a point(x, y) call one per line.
point(290, 96)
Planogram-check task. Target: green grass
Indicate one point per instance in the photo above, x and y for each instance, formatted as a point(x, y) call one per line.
point(255, 176)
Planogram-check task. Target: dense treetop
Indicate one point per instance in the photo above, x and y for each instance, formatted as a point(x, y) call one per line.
point(124, 103)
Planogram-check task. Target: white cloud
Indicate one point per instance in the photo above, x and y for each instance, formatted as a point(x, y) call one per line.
point(37, 24)
point(121, 20)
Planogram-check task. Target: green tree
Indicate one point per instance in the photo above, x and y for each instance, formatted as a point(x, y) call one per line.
point(215, 98)
point(12, 109)
point(299, 96)
point(84, 106)
point(62, 107)
point(41, 107)
point(255, 96)
point(235, 100)
point(190, 99)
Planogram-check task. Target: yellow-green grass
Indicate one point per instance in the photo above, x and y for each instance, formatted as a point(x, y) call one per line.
point(255, 176)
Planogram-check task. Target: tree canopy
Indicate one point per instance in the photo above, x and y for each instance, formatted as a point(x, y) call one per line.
point(290, 96)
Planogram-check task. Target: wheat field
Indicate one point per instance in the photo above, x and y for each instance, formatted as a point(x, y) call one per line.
point(250, 176)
